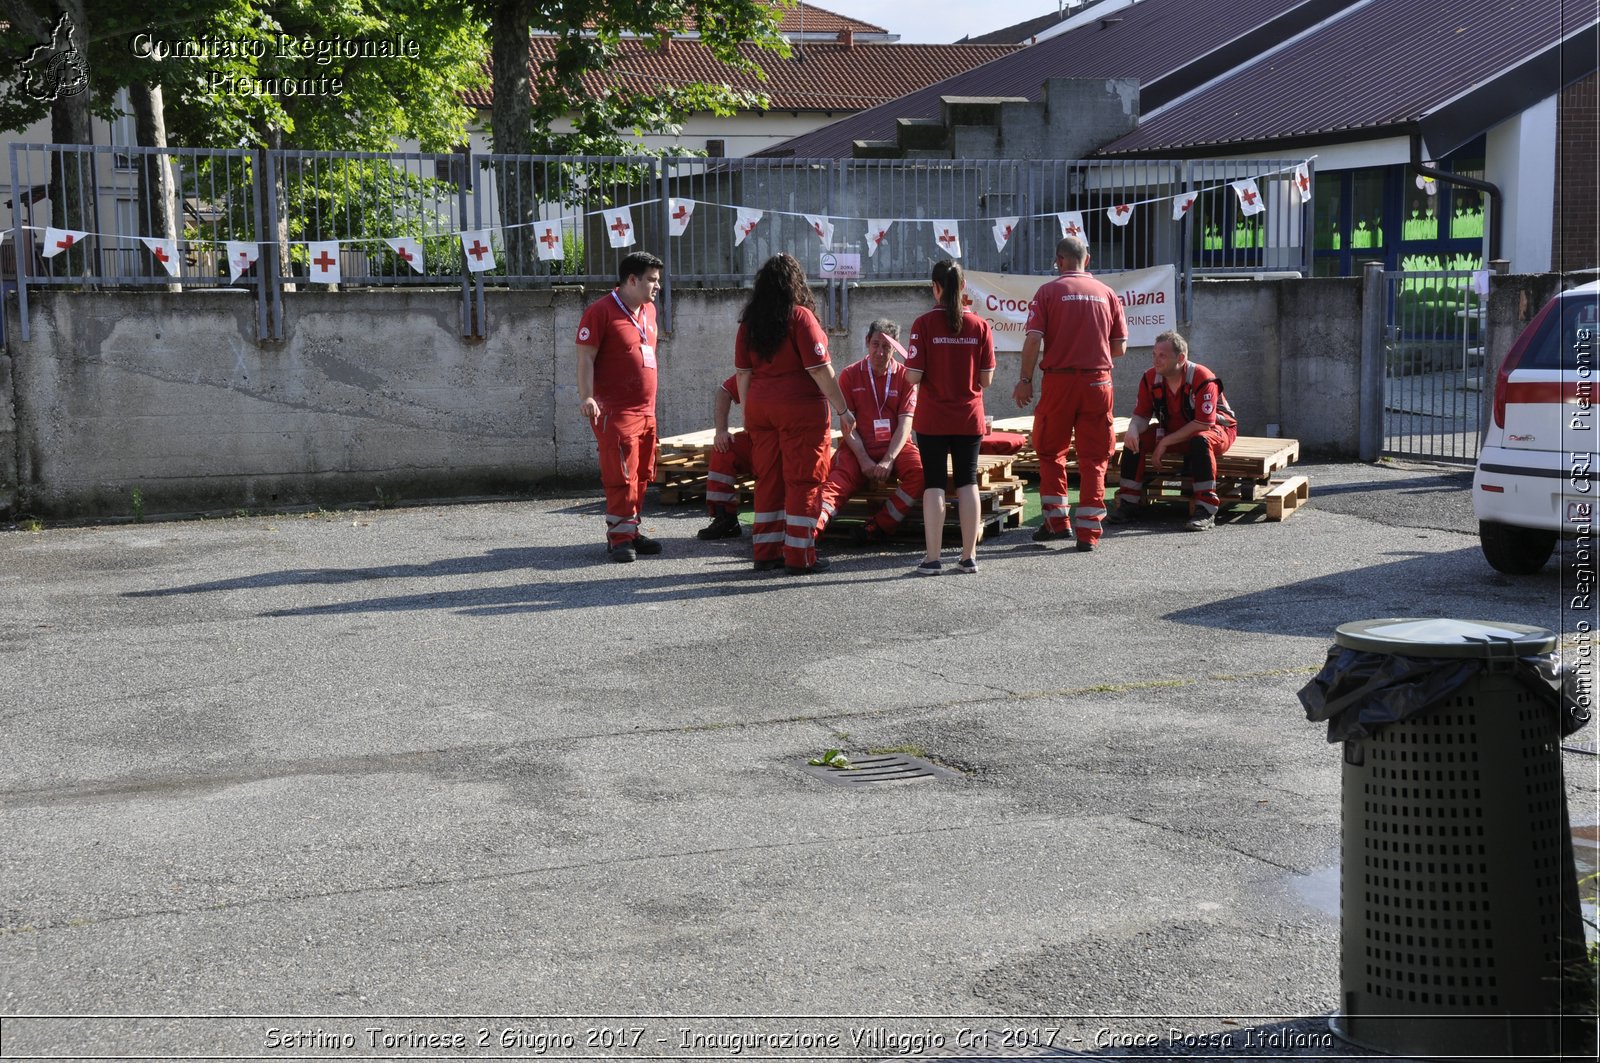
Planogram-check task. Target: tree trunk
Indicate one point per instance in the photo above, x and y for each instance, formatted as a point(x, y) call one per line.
point(510, 129)
point(73, 186)
point(157, 189)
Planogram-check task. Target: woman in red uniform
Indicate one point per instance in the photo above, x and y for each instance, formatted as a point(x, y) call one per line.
point(951, 356)
point(786, 385)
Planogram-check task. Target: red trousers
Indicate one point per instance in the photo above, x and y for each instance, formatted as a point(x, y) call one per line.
point(726, 470)
point(789, 450)
point(1200, 454)
point(1074, 412)
point(627, 443)
point(846, 477)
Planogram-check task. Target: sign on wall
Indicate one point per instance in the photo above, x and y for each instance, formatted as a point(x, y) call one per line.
point(1149, 301)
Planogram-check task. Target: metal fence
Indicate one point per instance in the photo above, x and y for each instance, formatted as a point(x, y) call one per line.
point(1433, 383)
point(547, 219)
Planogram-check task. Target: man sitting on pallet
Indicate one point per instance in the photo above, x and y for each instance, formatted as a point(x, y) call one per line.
point(880, 445)
point(1184, 400)
point(727, 464)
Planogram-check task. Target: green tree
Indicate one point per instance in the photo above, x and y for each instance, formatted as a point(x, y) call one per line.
point(586, 37)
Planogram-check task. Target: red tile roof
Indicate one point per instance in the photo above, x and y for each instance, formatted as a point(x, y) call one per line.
point(821, 76)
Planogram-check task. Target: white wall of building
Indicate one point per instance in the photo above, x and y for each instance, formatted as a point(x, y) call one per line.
point(1521, 160)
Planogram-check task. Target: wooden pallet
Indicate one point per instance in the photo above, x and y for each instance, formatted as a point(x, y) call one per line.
point(1281, 496)
point(682, 462)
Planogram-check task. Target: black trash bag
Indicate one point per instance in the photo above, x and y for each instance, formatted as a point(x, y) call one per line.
point(1358, 691)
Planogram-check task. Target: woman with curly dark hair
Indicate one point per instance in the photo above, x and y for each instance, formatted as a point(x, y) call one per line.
point(786, 385)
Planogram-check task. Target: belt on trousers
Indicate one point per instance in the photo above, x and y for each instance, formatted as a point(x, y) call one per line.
point(1073, 369)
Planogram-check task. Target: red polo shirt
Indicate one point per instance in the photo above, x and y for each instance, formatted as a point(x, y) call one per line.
point(1078, 317)
point(950, 398)
point(622, 381)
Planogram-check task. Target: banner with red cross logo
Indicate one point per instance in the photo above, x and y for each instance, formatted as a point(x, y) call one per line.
point(324, 261)
point(478, 250)
point(164, 252)
point(407, 249)
point(547, 234)
point(619, 226)
point(679, 211)
point(59, 240)
point(947, 236)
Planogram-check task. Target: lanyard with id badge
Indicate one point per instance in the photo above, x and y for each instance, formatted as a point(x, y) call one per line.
point(881, 425)
point(646, 348)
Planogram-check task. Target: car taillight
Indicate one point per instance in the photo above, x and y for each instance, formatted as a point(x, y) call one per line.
point(1514, 356)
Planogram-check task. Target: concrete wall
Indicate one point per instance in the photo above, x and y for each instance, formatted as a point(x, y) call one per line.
point(376, 391)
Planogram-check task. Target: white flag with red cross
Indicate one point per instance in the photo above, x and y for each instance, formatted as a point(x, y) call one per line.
point(745, 223)
point(679, 211)
point(1072, 224)
point(407, 249)
point(1003, 228)
point(478, 250)
point(1181, 205)
point(59, 240)
point(1249, 196)
point(619, 226)
point(242, 254)
point(1121, 214)
point(547, 235)
point(1302, 182)
point(823, 227)
point(164, 252)
point(947, 235)
point(324, 261)
point(877, 233)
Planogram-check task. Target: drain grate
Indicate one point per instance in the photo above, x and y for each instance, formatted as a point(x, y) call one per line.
point(885, 768)
point(1579, 745)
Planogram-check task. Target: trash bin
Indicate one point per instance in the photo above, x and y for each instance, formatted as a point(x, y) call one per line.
point(1460, 921)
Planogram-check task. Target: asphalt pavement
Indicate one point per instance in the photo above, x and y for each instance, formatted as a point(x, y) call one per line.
point(443, 782)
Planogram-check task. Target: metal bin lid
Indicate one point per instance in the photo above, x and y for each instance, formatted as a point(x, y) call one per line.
point(1440, 637)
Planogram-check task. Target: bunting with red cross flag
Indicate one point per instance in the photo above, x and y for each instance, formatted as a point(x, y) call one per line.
point(1181, 205)
point(478, 250)
point(1302, 182)
point(324, 261)
point(1249, 196)
point(1003, 228)
point(877, 233)
point(164, 252)
point(1072, 224)
point(619, 226)
point(947, 235)
point(547, 235)
point(407, 249)
point(679, 211)
point(745, 221)
point(823, 227)
point(242, 254)
point(59, 240)
point(1121, 214)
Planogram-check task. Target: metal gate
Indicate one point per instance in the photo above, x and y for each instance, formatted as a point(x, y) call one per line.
point(1433, 384)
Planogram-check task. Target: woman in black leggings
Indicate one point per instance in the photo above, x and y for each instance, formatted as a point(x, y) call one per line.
point(951, 354)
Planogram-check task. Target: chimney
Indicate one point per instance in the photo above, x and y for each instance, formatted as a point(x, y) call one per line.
point(847, 38)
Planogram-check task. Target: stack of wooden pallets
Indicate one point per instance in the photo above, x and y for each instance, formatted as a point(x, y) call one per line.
point(1251, 470)
point(1002, 494)
point(682, 464)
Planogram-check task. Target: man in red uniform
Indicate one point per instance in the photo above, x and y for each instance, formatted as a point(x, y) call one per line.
point(617, 394)
point(728, 463)
point(1184, 400)
point(880, 446)
point(1078, 324)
